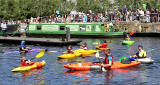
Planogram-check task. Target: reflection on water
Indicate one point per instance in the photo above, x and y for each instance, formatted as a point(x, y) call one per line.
point(54, 73)
point(37, 73)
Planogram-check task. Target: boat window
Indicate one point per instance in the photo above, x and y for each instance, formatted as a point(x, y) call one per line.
point(102, 24)
point(94, 28)
point(39, 27)
point(82, 28)
point(62, 27)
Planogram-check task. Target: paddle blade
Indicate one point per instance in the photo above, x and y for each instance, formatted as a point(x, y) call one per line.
point(52, 51)
point(40, 55)
point(111, 41)
point(95, 43)
point(150, 50)
point(131, 33)
point(97, 55)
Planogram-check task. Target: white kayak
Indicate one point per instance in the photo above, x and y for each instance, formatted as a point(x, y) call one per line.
point(145, 60)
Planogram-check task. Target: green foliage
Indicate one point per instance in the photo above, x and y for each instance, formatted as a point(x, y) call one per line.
point(22, 9)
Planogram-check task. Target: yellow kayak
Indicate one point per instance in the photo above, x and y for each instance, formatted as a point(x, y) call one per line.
point(69, 56)
point(86, 52)
point(26, 68)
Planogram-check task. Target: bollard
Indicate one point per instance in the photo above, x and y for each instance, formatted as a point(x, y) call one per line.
point(68, 34)
point(153, 28)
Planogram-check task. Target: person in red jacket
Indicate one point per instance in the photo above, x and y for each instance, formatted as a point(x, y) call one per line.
point(25, 62)
point(104, 44)
point(108, 59)
point(84, 46)
point(69, 50)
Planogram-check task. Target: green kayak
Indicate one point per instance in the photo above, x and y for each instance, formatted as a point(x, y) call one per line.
point(127, 42)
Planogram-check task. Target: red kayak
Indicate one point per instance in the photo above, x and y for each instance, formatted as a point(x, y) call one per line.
point(91, 65)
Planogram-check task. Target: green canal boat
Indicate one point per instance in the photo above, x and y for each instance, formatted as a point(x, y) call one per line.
point(76, 29)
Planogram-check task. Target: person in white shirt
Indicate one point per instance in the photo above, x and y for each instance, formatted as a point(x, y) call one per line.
point(4, 29)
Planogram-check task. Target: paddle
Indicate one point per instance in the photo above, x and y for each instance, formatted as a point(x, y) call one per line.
point(97, 56)
point(131, 33)
point(54, 51)
point(38, 55)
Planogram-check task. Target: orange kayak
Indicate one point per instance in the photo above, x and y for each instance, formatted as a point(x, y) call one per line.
point(90, 65)
point(98, 47)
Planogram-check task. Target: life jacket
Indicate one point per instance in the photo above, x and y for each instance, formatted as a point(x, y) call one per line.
point(70, 51)
point(23, 63)
point(106, 60)
point(103, 45)
point(141, 54)
point(22, 46)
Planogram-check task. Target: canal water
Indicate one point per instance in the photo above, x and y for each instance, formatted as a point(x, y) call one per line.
point(54, 73)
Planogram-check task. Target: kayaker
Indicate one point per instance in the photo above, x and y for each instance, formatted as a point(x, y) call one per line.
point(108, 60)
point(127, 37)
point(25, 62)
point(69, 50)
point(141, 53)
point(84, 46)
point(104, 44)
point(23, 48)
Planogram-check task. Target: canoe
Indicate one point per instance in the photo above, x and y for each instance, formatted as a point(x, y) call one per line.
point(86, 52)
point(98, 47)
point(90, 65)
point(26, 68)
point(69, 56)
point(128, 42)
point(33, 50)
point(145, 60)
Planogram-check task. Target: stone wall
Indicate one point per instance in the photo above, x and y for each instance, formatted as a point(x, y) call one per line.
point(136, 26)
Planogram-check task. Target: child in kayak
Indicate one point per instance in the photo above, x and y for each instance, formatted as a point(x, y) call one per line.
point(108, 60)
point(140, 54)
point(69, 50)
point(84, 46)
point(104, 44)
point(23, 48)
point(25, 62)
point(127, 37)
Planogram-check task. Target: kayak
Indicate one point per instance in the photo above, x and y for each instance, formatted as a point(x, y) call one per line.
point(86, 52)
point(98, 47)
point(33, 50)
point(69, 55)
point(145, 60)
point(26, 68)
point(128, 42)
point(91, 65)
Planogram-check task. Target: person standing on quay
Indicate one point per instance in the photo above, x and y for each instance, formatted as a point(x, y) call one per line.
point(4, 29)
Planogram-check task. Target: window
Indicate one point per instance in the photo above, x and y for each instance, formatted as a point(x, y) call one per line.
point(82, 28)
point(93, 28)
point(39, 27)
point(62, 27)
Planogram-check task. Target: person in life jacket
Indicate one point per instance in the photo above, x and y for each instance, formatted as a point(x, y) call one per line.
point(108, 60)
point(84, 46)
point(69, 50)
point(127, 37)
point(25, 62)
point(104, 44)
point(23, 48)
point(141, 53)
